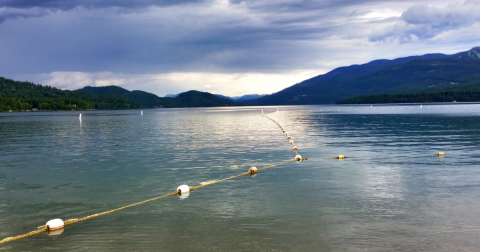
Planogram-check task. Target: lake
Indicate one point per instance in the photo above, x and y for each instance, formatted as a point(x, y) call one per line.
point(393, 194)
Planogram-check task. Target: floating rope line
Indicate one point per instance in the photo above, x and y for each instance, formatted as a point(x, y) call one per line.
point(59, 224)
point(341, 157)
point(46, 228)
point(298, 157)
point(439, 154)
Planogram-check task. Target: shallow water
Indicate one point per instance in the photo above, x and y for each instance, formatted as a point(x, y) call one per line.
point(389, 197)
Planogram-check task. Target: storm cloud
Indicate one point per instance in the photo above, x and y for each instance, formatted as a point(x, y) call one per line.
point(150, 44)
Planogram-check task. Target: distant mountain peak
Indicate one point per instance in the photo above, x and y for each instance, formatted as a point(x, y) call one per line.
point(172, 95)
point(473, 53)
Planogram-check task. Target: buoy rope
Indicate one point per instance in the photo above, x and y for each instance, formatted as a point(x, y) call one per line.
point(381, 156)
point(72, 221)
point(281, 128)
point(439, 154)
point(239, 175)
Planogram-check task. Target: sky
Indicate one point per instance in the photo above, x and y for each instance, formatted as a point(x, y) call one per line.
point(224, 47)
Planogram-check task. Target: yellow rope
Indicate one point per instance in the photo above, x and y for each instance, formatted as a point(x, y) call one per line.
point(381, 156)
point(239, 175)
point(72, 221)
point(9, 239)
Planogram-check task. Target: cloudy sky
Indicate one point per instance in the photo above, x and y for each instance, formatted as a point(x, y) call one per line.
point(227, 47)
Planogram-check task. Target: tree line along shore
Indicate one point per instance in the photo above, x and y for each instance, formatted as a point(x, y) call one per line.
point(447, 96)
point(27, 96)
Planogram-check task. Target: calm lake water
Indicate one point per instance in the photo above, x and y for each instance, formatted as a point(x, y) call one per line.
point(390, 197)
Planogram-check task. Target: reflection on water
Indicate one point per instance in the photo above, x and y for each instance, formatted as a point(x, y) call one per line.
point(391, 197)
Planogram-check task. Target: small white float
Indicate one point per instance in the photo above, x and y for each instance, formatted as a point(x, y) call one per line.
point(184, 191)
point(253, 170)
point(55, 226)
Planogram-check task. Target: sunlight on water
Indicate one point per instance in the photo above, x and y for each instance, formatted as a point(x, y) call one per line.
point(390, 196)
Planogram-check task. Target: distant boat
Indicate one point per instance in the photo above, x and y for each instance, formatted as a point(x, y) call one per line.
point(141, 112)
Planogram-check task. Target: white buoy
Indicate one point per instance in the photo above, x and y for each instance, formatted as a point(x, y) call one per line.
point(141, 112)
point(184, 191)
point(54, 224)
point(371, 106)
point(298, 158)
point(291, 142)
point(183, 188)
point(262, 111)
point(80, 117)
point(253, 170)
point(286, 133)
point(420, 106)
point(295, 149)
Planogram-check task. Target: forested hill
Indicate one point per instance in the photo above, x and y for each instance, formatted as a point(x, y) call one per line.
point(427, 73)
point(18, 95)
point(194, 98)
point(146, 100)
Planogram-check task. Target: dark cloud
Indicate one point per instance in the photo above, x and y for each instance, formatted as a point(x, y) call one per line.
point(70, 4)
point(12, 9)
point(168, 39)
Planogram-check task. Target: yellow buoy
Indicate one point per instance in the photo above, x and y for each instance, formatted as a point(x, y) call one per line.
point(440, 154)
point(341, 157)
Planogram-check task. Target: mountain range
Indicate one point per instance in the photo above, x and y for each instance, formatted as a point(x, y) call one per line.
point(235, 98)
point(430, 77)
point(27, 96)
point(426, 73)
point(191, 98)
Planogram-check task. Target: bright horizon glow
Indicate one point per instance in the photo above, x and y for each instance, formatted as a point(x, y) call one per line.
point(173, 83)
